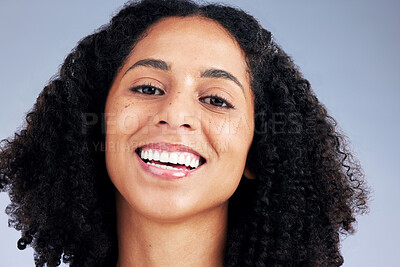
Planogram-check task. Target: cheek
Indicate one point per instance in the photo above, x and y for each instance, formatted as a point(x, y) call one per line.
point(128, 122)
point(231, 134)
point(122, 119)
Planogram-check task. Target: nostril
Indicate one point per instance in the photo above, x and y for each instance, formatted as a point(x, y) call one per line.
point(186, 125)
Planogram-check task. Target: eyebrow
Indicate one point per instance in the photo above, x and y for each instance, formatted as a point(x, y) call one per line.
point(153, 63)
point(209, 73)
point(217, 73)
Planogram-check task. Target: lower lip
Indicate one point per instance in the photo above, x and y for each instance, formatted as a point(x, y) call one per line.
point(163, 173)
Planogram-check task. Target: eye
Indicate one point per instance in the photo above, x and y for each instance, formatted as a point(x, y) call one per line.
point(217, 101)
point(147, 90)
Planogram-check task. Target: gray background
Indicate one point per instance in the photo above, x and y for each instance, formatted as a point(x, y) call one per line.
point(347, 49)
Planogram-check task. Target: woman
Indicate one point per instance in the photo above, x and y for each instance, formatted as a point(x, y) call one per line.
point(181, 135)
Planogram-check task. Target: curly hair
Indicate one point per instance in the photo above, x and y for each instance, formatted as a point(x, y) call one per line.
point(308, 187)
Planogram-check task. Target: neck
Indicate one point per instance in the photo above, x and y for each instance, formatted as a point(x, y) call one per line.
point(196, 241)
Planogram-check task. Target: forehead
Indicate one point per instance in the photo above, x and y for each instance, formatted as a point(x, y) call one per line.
point(193, 25)
point(190, 26)
point(190, 36)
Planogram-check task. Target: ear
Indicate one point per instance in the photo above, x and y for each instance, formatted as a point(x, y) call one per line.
point(249, 174)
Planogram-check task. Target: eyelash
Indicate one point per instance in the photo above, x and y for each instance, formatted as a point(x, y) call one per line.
point(141, 87)
point(225, 102)
point(219, 98)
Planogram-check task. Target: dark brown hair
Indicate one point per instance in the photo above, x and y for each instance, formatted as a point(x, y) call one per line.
point(308, 187)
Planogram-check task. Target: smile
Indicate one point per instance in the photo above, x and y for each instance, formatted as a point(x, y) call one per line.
point(169, 161)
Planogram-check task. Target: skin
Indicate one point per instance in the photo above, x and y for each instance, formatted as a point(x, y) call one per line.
point(180, 222)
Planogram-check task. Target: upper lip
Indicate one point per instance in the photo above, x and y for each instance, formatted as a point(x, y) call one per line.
point(168, 147)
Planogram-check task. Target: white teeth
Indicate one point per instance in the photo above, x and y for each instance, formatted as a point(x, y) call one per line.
point(164, 157)
point(193, 163)
point(181, 159)
point(187, 161)
point(164, 166)
point(146, 155)
point(173, 157)
point(156, 155)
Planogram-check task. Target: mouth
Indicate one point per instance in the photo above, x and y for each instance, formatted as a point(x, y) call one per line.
point(170, 157)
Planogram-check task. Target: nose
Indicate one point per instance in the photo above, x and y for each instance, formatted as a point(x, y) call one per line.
point(177, 112)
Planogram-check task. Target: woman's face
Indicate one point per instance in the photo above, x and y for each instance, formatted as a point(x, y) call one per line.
point(179, 120)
